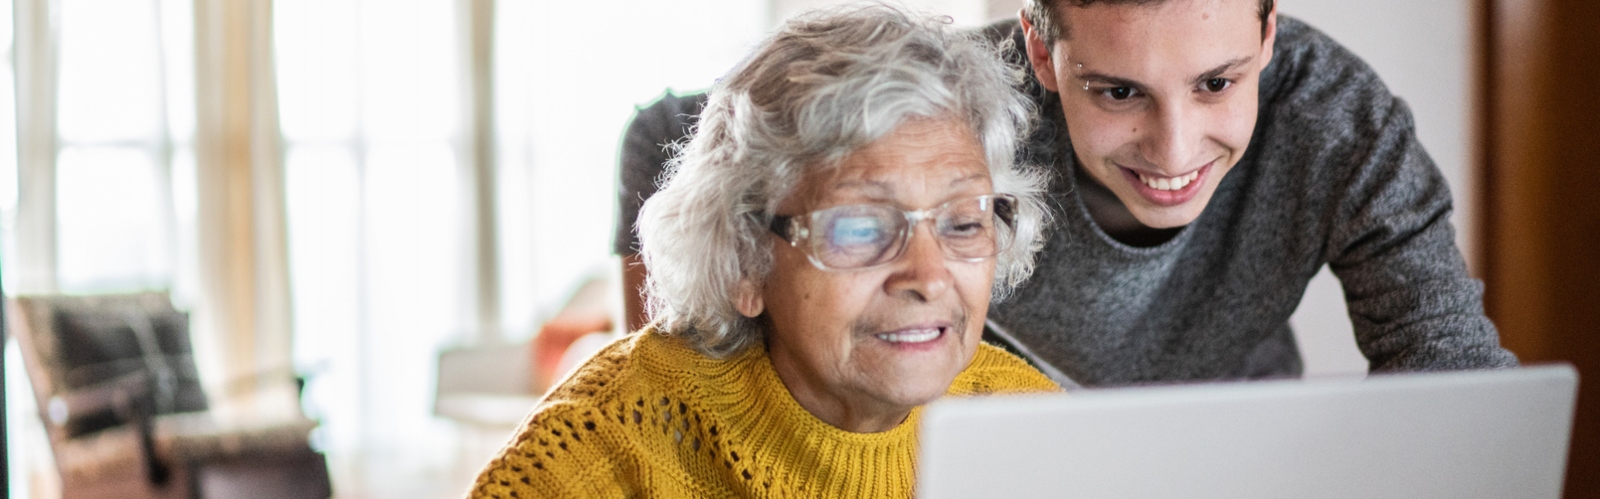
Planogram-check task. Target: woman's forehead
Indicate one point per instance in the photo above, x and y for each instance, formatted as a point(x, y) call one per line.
point(888, 187)
point(920, 158)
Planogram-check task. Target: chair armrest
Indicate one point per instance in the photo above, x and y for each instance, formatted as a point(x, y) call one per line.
point(126, 397)
point(247, 383)
point(117, 395)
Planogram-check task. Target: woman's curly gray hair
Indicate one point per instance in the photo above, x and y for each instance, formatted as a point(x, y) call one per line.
point(825, 85)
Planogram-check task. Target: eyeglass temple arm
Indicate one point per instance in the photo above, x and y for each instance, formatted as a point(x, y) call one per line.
point(783, 227)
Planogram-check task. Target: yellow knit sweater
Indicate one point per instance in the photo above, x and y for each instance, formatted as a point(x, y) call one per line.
point(650, 417)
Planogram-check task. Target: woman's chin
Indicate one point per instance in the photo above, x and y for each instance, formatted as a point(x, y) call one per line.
point(914, 385)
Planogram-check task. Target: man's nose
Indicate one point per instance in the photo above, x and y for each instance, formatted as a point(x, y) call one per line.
point(923, 270)
point(1173, 137)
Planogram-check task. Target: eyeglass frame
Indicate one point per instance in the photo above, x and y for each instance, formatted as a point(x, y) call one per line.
point(789, 228)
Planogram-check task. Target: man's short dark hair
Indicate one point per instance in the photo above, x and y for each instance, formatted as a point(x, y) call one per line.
point(1043, 15)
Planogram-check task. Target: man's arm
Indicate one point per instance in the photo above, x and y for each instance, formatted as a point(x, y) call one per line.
point(634, 316)
point(1411, 300)
point(641, 162)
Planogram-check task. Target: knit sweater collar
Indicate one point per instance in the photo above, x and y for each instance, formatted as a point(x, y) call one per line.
point(749, 407)
point(650, 416)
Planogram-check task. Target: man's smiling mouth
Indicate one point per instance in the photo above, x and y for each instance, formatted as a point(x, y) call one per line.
point(1168, 183)
point(1167, 191)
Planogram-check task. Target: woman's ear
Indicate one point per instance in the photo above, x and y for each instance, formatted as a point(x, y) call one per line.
point(747, 300)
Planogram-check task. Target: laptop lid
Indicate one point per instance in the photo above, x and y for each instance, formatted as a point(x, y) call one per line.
point(1467, 434)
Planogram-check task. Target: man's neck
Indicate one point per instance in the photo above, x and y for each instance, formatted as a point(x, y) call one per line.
point(1113, 217)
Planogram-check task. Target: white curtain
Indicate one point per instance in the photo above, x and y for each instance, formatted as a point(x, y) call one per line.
point(31, 248)
point(244, 303)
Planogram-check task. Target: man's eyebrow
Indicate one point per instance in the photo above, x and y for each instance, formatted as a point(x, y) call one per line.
point(1223, 68)
point(1116, 81)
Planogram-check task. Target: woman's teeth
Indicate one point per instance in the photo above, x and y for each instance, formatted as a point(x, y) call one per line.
point(911, 336)
point(1168, 184)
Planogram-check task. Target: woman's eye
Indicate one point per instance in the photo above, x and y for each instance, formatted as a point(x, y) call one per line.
point(1118, 93)
point(965, 229)
point(964, 225)
point(1215, 85)
point(856, 230)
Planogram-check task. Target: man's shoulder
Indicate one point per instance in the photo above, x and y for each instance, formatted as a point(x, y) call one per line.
point(671, 115)
point(1000, 31)
point(1322, 109)
point(1007, 36)
point(1312, 74)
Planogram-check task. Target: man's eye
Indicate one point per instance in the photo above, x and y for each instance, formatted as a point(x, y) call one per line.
point(1118, 93)
point(1216, 85)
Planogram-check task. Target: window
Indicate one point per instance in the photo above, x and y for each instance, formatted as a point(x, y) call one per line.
point(107, 197)
point(371, 102)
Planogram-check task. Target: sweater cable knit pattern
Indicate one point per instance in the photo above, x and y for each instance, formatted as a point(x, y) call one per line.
point(650, 417)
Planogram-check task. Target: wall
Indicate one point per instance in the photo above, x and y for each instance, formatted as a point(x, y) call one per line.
point(964, 12)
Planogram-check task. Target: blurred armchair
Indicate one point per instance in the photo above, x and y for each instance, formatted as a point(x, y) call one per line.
point(126, 415)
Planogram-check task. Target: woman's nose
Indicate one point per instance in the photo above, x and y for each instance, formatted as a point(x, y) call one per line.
point(923, 271)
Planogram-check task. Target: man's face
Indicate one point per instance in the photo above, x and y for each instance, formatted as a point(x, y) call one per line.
point(1160, 99)
point(861, 348)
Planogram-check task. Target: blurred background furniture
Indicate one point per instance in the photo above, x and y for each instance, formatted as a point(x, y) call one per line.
point(126, 414)
point(489, 388)
point(494, 384)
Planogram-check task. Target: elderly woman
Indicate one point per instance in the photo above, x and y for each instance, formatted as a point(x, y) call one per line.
point(822, 257)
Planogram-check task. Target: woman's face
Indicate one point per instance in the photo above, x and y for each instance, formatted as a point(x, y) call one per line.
point(860, 348)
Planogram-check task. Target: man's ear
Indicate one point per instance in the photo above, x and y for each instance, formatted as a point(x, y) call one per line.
point(747, 300)
point(1038, 55)
point(1269, 36)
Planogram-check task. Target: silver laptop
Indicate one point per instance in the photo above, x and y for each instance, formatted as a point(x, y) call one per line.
point(1473, 434)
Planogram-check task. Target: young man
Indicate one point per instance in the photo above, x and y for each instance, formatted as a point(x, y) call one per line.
point(1210, 157)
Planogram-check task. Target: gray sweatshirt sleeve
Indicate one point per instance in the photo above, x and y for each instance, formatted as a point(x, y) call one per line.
point(643, 158)
point(1377, 206)
point(1413, 305)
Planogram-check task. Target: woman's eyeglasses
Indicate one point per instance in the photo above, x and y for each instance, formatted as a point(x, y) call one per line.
point(860, 236)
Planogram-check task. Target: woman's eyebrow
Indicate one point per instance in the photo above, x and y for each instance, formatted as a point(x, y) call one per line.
point(876, 188)
point(873, 191)
point(976, 177)
point(870, 186)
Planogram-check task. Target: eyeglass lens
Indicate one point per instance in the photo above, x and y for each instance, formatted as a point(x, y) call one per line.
point(858, 236)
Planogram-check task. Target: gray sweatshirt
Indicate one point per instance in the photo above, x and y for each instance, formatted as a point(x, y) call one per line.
point(1333, 175)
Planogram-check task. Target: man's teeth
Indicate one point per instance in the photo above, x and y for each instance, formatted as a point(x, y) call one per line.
point(1168, 184)
point(912, 336)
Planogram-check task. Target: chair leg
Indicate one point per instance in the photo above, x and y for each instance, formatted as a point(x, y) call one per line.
point(157, 471)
